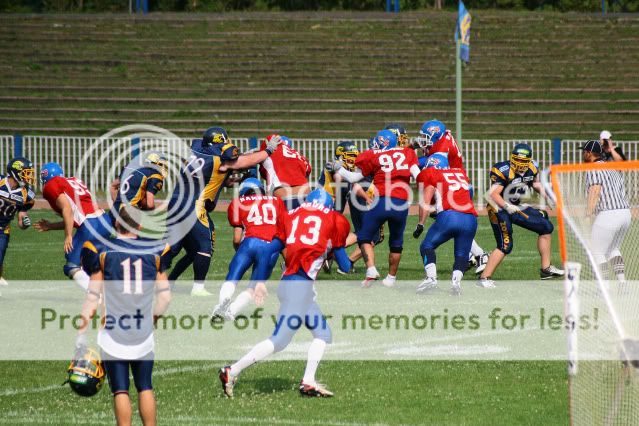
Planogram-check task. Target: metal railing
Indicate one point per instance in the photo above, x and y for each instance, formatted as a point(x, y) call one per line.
point(99, 166)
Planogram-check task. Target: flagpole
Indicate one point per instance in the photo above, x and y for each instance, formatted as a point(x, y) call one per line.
point(458, 92)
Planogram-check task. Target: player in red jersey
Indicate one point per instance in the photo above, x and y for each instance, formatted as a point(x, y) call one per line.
point(259, 232)
point(391, 168)
point(434, 138)
point(70, 198)
point(286, 172)
point(313, 231)
point(456, 218)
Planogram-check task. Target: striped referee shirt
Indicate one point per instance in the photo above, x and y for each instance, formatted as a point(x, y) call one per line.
point(613, 189)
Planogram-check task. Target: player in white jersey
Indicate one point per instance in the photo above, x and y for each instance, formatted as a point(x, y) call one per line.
point(609, 210)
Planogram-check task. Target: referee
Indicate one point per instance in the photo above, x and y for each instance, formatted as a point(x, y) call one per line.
point(609, 210)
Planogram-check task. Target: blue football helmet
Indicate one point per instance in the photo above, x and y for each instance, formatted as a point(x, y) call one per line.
point(215, 135)
point(321, 197)
point(158, 160)
point(385, 139)
point(431, 132)
point(21, 169)
point(286, 141)
point(521, 158)
point(251, 185)
point(437, 161)
point(49, 171)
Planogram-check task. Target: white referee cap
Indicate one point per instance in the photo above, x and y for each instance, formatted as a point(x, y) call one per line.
point(605, 134)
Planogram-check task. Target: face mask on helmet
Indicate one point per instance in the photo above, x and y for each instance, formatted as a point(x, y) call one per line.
point(400, 132)
point(86, 373)
point(158, 160)
point(520, 159)
point(22, 171)
point(347, 154)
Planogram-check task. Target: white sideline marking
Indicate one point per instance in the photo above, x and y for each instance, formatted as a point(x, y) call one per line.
point(158, 373)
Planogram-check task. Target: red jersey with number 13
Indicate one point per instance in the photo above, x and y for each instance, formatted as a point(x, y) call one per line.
point(312, 232)
point(77, 194)
point(261, 216)
point(452, 186)
point(390, 170)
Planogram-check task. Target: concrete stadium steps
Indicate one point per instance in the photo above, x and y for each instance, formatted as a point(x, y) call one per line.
point(319, 74)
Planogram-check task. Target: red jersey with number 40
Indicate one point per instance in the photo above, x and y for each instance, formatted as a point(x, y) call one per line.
point(452, 186)
point(312, 232)
point(391, 170)
point(285, 167)
point(447, 145)
point(76, 193)
point(261, 216)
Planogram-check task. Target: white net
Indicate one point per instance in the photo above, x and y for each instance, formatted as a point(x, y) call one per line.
point(598, 207)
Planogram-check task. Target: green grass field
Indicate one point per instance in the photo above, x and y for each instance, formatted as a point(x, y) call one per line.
point(367, 392)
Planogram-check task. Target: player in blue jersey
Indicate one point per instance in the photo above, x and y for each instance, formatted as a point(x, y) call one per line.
point(195, 195)
point(16, 196)
point(510, 182)
point(128, 274)
point(139, 181)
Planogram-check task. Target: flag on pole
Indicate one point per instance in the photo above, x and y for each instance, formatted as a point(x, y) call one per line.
point(462, 32)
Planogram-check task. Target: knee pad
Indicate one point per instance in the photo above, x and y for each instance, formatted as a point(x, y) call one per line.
point(70, 269)
point(428, 255)
point(460, 264)
point(396, 249)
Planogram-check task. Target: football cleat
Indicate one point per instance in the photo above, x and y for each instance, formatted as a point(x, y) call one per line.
point(200, 293)
point(427, 284)
point(316, 390)
point(221, 310)
point(228, 381)
point(550, 272)
point(3, 282)
point(485, 283)
point(326, 266)
point(389, 281)
point(456, 289)
point(368, 281)
point(482, 261)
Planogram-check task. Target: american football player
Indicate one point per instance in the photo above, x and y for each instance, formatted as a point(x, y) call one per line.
point(16, 196)
point(258, 222)
point(400, 132)
point(352, 194)
point(70, 198)
point(139, 181)
point(391, 168)
point(286, 172)
point(128, 275)
point(511, 180)
point(456, 218)
point(434, 138)
point(314, 229)
point(195, 195)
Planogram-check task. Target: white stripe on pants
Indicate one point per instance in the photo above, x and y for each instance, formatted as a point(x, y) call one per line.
point(608, 231)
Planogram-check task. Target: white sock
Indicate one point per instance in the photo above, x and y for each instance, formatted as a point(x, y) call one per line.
point(227, 290)
point(372, 272)
point(390, 277)
point(82, 279)
point(241, 301)
point(476, 250)
point(198, 286)
point(457, 276)
point(315, 354)
point(258, 353)
point(431, 271)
